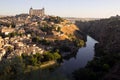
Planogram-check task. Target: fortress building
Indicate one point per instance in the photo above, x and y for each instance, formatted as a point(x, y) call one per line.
point(37, 12)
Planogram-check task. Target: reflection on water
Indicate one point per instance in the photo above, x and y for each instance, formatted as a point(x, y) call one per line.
point(79, 60)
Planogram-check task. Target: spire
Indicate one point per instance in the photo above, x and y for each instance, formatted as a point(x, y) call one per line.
point(43, 8)
point(31, 7)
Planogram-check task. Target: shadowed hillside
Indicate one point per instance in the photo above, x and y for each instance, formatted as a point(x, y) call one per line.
point(105, 65)
point(106, 31)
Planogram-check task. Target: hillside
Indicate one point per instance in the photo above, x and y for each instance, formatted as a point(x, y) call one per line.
point(69, 29)
point(29, 43)
point(106, 31)
point(105, 65)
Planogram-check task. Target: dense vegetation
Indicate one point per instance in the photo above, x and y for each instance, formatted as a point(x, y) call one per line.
point(18, 67)
point(56, 20)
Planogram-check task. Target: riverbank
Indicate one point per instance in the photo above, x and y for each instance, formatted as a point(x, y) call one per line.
point(47, 64)
point(107, 52)
point(73, 62)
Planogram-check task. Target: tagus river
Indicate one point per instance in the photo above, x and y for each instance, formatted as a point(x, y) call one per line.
point(79, 60)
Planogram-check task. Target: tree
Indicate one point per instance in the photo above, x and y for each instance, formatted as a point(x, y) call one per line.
point(58, 29)
point(57, 55)
point(65, 48)
point(12, 69)
point(36, 39)
point(84, 74)
point(106, 67)
point(33, 60)
point(13, 25)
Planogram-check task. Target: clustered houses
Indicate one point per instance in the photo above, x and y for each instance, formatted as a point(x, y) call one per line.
point(11, 47)
point(17, 34)
point(6, 30)
point(17, 40)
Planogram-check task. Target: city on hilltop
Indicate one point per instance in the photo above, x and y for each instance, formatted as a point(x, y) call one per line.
point(81, 43)
point(39, 40)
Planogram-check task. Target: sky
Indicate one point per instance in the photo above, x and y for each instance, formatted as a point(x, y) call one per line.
point(63, 8)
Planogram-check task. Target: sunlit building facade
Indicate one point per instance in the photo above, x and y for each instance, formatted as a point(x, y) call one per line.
point(37, 12)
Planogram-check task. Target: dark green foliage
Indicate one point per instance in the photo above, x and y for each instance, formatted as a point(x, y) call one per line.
point(46, 28)
point(37, 58)
point(99, 65)
point(15, 68)
point(32, 59)
point(51, 56)
point(12, 69)
point(40, 41)
point(13, 34)
point(78, 42)
point(44, 42)
point(57, 55)
point(56, 20)
point(65, 48)
point(106, 67)
point(85, 74)
point(107, 55)
point(35, 39)
point(58, 29)
point(13, 25)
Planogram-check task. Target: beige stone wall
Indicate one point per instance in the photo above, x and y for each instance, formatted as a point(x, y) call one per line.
point(36, 12)
point(7, 30)
point(1, 42)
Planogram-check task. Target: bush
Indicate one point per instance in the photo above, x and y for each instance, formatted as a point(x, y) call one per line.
point(106, 67)
point(56, 55)
point(35, 39)
point(65, 48)
point(52, 56)
point(84, 74)
point(56, 20)
point(44, 42)
point(12, 69)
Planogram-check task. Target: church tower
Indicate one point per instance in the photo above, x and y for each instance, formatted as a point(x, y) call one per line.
point(30, 11)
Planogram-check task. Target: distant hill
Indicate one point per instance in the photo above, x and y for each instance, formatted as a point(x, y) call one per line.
point(73, 19)
point(3, 16)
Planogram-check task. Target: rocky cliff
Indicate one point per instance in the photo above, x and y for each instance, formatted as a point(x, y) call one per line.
point(107, 51)
point(106, 31)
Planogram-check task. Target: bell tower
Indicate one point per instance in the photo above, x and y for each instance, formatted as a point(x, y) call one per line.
point(31, 11)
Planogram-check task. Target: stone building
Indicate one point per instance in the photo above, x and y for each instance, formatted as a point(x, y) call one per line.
point(37, 12)
point(6, 30)
point(2, 53)
point(1, 42)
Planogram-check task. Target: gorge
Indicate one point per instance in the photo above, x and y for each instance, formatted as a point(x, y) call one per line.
point(107, 52)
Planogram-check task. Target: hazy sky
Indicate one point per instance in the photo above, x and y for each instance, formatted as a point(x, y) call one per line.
point(71, 8)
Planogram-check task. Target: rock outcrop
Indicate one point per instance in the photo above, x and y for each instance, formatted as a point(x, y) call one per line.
point(106, 31)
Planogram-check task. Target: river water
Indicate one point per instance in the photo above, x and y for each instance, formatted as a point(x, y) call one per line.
point(80, 60)
point(69, 64)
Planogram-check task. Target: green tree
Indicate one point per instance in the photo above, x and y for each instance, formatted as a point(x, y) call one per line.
point(57, 55)
point(85, 74)
point(58, 29)
point(13, 25)
point(106, 67)
point(36, 39)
